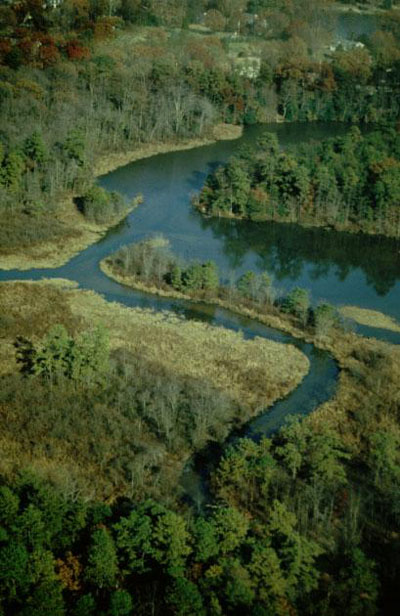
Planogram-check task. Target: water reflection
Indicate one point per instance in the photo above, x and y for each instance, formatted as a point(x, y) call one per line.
point(287, 250)
point(337, 267)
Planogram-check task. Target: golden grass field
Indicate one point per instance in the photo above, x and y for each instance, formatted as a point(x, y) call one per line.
point(86, 451)
point(372, 318)
point(254, 372)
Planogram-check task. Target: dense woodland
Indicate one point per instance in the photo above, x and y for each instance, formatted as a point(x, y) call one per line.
point(80, 79)
point(303, 523)
point(347, 182)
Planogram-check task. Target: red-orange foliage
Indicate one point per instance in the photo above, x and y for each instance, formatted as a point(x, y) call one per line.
point(47, 50)
point(76, 51)
point(29, 49)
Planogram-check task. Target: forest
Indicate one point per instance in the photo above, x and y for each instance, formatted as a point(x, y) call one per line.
point(350, 182)
point(303, 522)
point(105, 409)
point(69, 92)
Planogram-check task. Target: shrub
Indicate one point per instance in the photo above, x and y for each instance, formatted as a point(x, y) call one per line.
point(297, 303)
point(100, 206)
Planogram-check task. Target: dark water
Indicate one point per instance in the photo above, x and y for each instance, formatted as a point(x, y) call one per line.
point(341, 268)
point(337, 267)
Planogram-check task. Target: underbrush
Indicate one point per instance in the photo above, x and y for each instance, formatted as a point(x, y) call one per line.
point(172, 386)
point(22, 230)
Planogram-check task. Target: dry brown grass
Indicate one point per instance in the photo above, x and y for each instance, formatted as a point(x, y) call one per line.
point(372, 318)
point(256, 371)
point(29, 309)
point(253, 372)
point(77, 235)
point(249, 374)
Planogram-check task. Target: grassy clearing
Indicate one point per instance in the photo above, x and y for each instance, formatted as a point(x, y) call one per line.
point(108, 445)
point(372, 318)
point(254, 373)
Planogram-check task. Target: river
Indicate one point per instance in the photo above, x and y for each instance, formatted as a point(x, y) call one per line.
point(337, 267)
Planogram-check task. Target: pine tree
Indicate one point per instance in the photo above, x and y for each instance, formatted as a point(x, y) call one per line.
point(101, 569)
point(35, 149)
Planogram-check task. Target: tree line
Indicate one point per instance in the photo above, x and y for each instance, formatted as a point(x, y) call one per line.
point(348, 182)
point(151, 263)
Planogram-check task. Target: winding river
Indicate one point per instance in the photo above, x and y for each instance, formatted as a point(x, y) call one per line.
point(337, 267)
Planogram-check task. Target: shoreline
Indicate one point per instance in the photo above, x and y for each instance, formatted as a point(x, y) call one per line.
point(350, 351)
point(111, 162)
point(337, 228)
point(277, 321)
point(51, 255)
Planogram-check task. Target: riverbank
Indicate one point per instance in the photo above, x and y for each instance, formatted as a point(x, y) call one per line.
point(306, 224)
point(75, 233)
point(356, 356)
point(249, 375)
point(110, 162)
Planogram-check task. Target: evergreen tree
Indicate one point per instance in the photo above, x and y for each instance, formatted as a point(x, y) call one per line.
point(35, 149)
point(101, 569)
point(120, 603)
point(210, 276)
point(13, 168)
